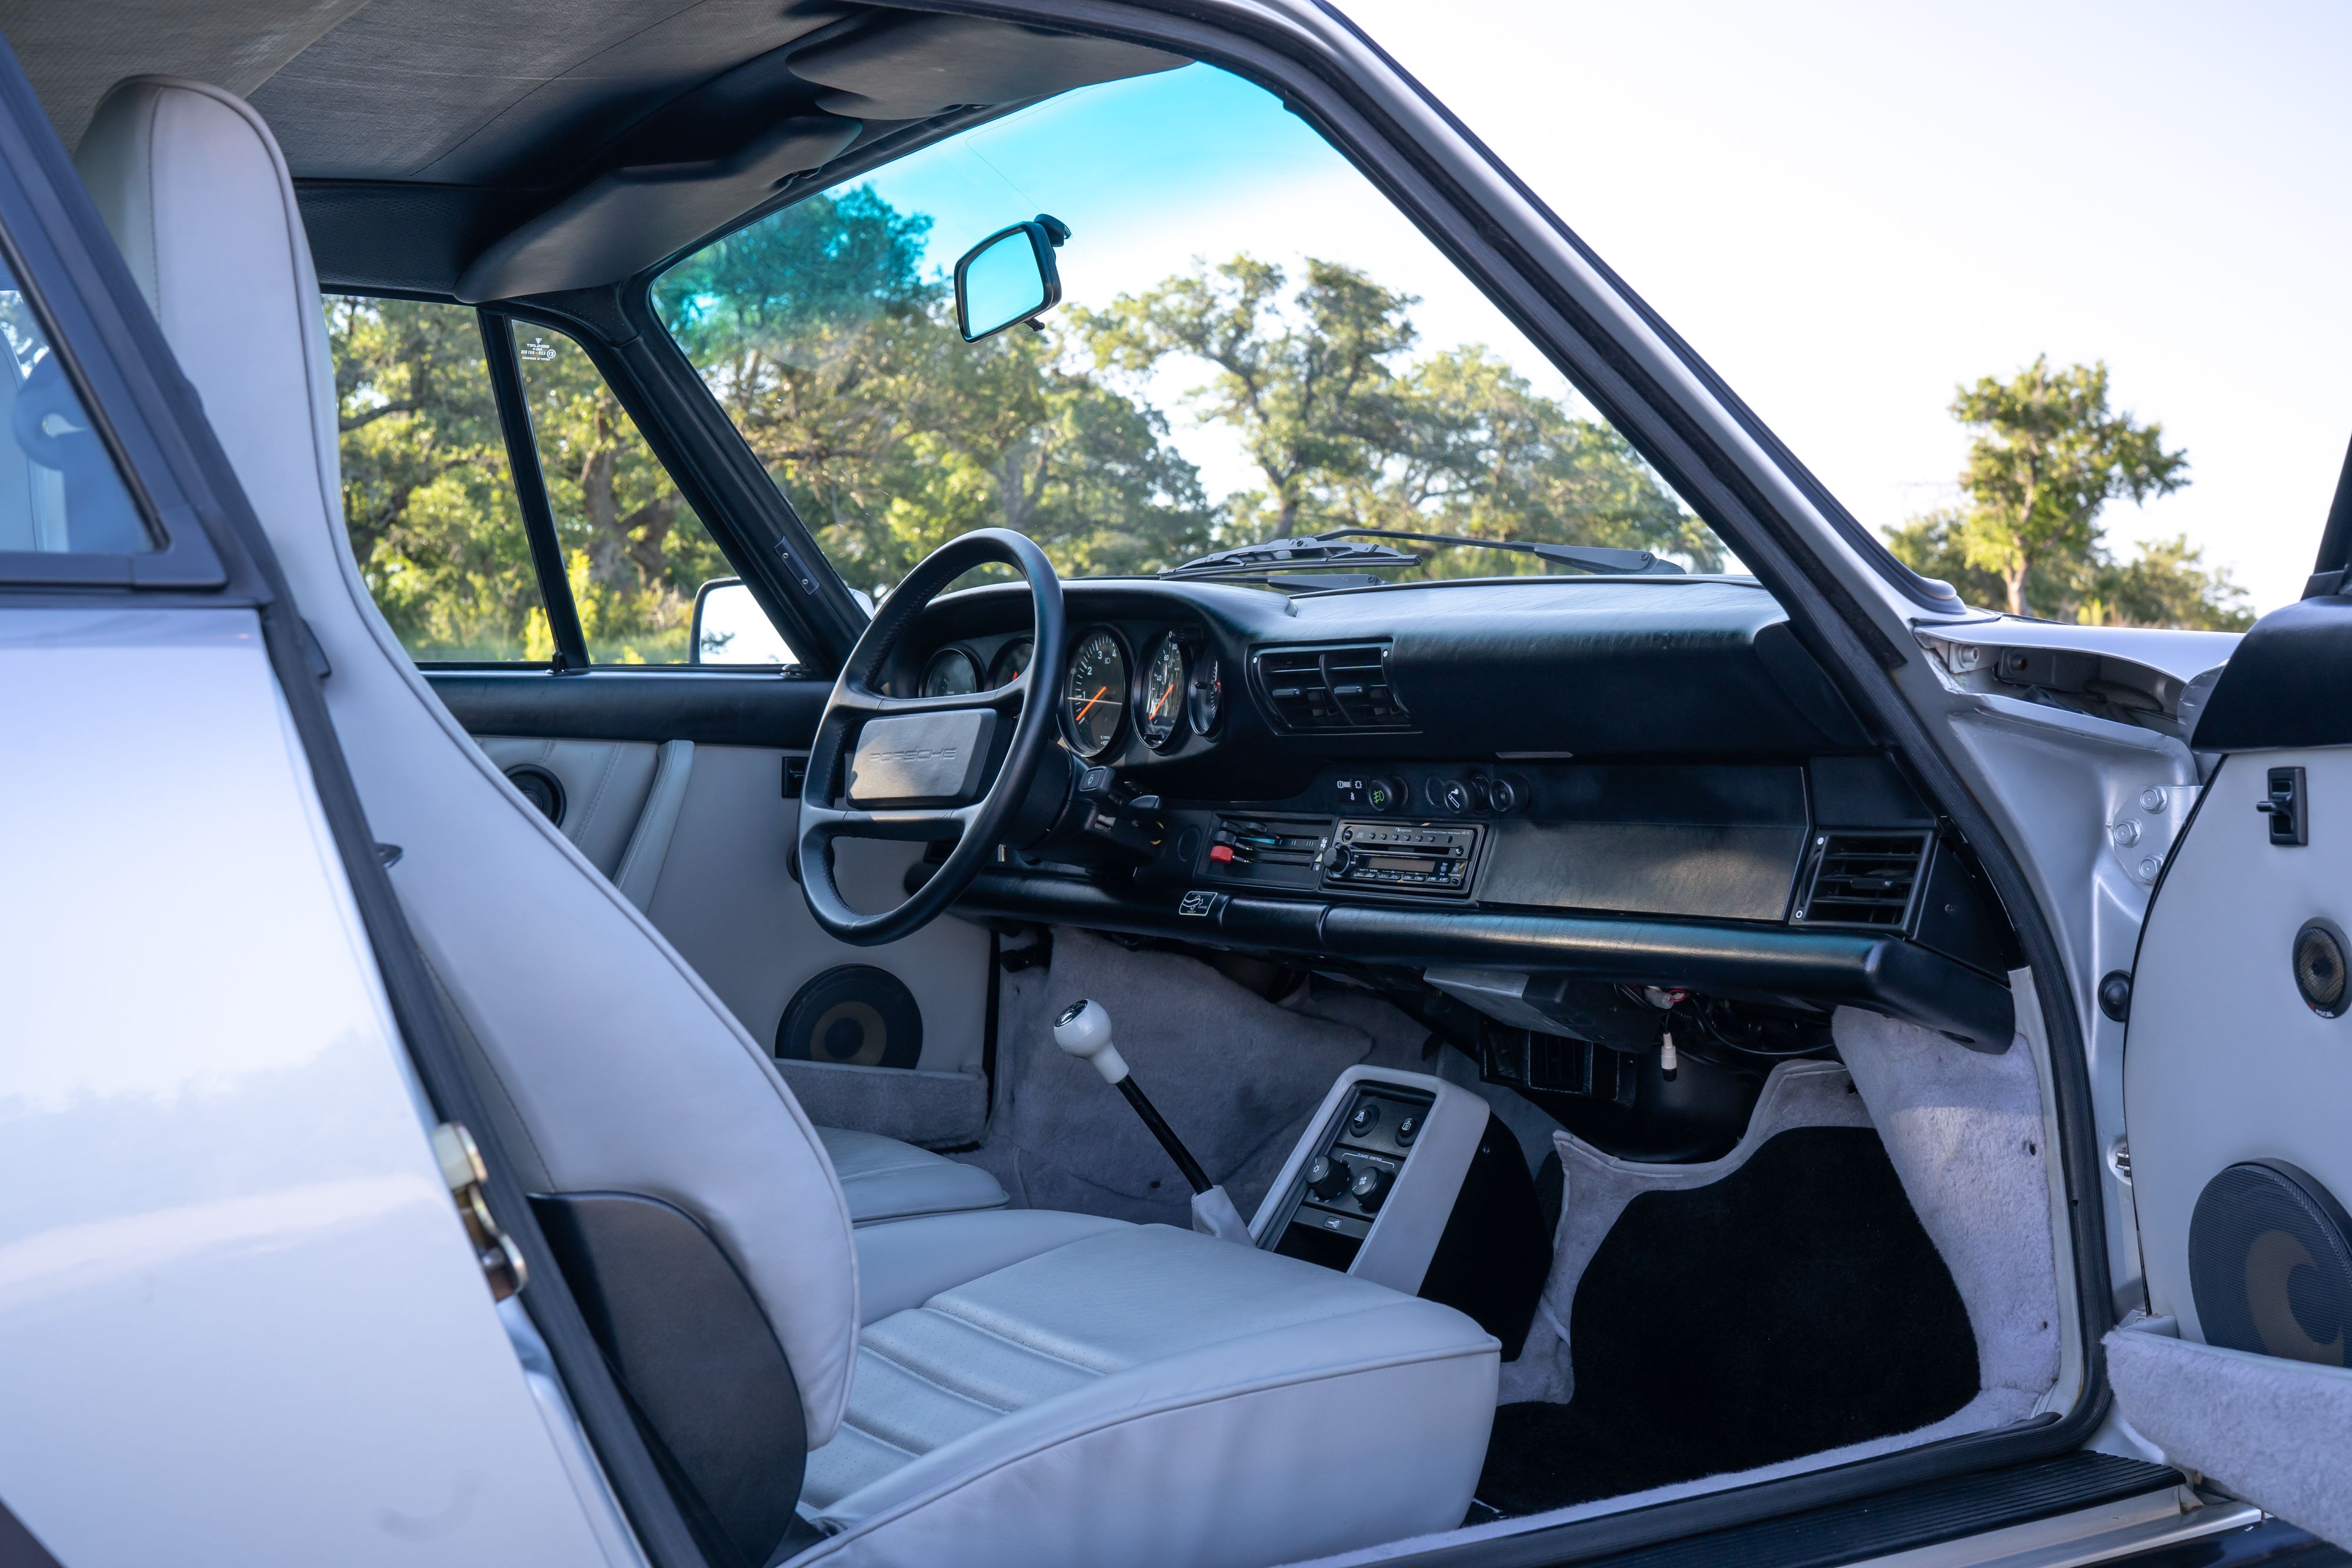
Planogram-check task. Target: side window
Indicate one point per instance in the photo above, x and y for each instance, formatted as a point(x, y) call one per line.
point(427, 493)
point(635, 553)
point(60, 490)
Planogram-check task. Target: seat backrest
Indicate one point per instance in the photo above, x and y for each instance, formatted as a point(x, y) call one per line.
point(611, 1066)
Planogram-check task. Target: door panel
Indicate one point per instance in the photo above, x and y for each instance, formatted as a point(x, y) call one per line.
point(2230, 1074)
point(716, 879)
point(726, 900)
point(605, 784)
point(2224, 1062)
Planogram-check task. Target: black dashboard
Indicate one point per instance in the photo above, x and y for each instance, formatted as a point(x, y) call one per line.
point(1646, 781)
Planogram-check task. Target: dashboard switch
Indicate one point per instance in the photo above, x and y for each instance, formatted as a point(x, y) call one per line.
point(1385, 794)
point(1370, 1186)
point(1364, 1117)
point(1451, 795)
point(1221, 854)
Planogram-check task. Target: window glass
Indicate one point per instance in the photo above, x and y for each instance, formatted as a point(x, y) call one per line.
point(1252, 344)
point(634, 551)
point(427, 493)
point(60, 490)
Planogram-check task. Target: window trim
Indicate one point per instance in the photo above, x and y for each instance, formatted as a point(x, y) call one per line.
point(563, 611)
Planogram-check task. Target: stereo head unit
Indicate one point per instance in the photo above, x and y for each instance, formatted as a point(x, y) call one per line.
point(1401, 857)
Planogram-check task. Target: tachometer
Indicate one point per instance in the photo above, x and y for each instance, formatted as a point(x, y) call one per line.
point(951, 673)
point(1097, 692)
point(1162, 698)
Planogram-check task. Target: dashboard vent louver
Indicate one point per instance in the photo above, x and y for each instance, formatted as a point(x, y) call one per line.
point(1331, 688)
point(1862, 879)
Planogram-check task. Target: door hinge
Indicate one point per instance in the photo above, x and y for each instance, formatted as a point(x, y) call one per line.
point(463, 1170)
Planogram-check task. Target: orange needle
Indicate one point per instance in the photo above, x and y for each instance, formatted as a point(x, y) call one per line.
point(1158, 701)
point(1092, 700)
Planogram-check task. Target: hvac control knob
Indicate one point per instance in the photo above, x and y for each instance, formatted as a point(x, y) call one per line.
point(1327, 1178)
point(1370, 1186)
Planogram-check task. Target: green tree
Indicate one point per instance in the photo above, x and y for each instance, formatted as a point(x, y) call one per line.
point(2049, 453)
point(1346, 431)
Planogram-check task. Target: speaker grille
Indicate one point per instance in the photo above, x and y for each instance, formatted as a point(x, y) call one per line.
point(2319, 967)
point(541, 788)
point(855, 1016)
point(2270, 1264)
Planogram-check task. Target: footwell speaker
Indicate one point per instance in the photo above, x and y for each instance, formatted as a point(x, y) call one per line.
point(856, 1015)
point(2270, 1264)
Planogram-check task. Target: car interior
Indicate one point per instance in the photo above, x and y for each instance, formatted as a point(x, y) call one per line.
point(1243, 1059)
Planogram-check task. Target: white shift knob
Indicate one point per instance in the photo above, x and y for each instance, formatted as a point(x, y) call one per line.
point(1083, 1031)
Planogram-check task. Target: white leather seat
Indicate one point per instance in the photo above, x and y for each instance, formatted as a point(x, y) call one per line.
point(1020, 1387)
point(883, 1180)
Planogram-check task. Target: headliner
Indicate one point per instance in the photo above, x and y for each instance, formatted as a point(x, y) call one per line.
point(485, 149)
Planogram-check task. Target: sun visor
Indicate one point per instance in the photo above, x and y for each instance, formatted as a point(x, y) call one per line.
point(913, 67)
point(628, 218)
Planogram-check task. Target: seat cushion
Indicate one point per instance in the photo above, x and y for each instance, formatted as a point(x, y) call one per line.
point(1143, 1394)
point(884, 1179)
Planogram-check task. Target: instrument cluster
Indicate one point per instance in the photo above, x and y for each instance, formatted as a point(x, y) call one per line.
point(1162, 690)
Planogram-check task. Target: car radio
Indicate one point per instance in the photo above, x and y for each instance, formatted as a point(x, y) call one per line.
point(1405, 857)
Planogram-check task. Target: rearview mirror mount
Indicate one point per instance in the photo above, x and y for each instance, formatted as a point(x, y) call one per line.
point(1009, 277)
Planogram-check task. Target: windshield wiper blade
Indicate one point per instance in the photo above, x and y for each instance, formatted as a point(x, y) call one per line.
point(1313, 553)
point(1329, 548)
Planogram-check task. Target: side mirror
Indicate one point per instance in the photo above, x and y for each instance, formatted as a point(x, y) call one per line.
point(730, 627)
point(1009, 277)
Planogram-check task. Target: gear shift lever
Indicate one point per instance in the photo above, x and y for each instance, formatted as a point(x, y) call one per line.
point(1084, 1031)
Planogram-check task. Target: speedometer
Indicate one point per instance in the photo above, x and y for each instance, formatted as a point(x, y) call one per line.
point(1097, 692)
point(1162, 698)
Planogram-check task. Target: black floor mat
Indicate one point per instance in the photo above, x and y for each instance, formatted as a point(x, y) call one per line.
point(1793, 1306)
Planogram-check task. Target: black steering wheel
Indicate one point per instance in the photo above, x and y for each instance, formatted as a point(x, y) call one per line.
point(914, 768)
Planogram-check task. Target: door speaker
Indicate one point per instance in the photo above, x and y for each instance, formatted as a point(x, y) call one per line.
point(541, 788)
point(2269, 1263)
point(2320, 967)
point(856, 1015)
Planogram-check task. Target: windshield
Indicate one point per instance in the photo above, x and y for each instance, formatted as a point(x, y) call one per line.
point(1250, 344)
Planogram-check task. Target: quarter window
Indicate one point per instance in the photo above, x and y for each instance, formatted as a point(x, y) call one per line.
point(60, 490)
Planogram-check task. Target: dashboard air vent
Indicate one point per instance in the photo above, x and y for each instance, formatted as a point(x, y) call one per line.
point(1862, 879)
point(1331, 688)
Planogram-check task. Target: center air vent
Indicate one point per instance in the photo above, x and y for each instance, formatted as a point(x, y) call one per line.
point(1862, 879)
point(1331, 688)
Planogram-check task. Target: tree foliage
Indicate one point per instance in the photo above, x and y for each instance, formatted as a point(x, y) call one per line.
point(2048, 454)
point(1346, 431)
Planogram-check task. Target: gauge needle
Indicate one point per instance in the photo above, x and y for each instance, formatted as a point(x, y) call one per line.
point(1091, 701)
point(1159, 702)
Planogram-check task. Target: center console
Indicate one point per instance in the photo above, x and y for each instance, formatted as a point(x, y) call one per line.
point(1371, 1185)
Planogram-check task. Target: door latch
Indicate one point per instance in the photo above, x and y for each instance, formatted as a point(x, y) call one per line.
point(462, 1168)
point(2287, 805)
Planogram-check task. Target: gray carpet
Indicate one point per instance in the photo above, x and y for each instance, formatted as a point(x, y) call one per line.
point(1237, 1076)
point(1965, 1133)
point(2273, 1431)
